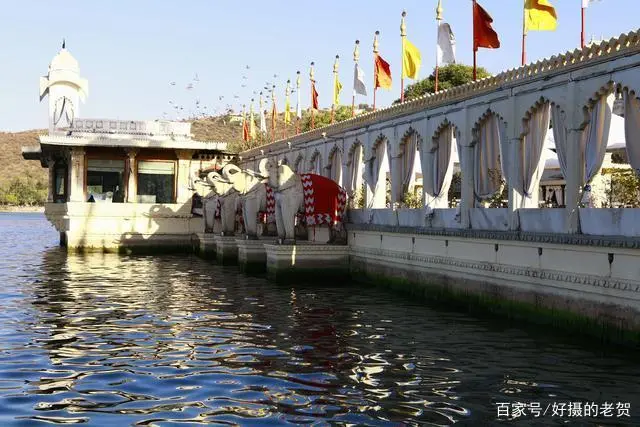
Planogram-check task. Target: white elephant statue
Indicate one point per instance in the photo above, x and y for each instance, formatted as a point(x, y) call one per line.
point(256, 198)
point(320, 199)
point(224, 201)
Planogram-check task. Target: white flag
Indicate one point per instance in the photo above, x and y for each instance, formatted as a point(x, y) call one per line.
point(446, 45)
point(358, 81)
point(263, 122)
point(298, 106)
point(586, 3)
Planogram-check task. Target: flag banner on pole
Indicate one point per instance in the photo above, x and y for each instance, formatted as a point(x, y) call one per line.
point(337, 88)
point(446, 45)
point(252, 125)
point(274, 115)
point(411, 59)
point(245, 130)
point(287, 111)
point(586, 3)
point(539, 15)
point(382, 73)
point(314, 97)
point(358, 81)
point(483, 34)
point(299, 105)
point(263, 120)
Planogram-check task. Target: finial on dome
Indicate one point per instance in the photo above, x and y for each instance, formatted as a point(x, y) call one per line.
point(64, 43)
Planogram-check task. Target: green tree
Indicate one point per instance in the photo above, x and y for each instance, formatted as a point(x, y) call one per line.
point(323, 117)
point(448, 76)
point(624, 189)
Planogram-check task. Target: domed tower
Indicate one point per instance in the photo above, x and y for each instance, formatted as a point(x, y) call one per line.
point(65, 89)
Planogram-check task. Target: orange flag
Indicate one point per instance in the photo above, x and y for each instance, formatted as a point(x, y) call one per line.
point(314, 99)
point(245, 130)
point(483, 34)
point(382, 73)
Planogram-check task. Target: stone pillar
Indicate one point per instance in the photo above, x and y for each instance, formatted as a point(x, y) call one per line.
point(575, 159)
point(184, 192)
point(51, 163)
point(516, 198)
point(132, 179)
point(467, 191)
point(77, 175)
point(574, 179)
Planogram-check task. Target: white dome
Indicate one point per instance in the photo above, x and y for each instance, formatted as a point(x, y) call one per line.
point(64, 61)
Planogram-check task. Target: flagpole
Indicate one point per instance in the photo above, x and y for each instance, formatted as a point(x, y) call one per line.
point(475, 49)
point(251, 122)
point(524, 37)
point(298, 103)
point(273, 113)
point(375, 69)
point(335, 85)
point(438, 22)
point(356, 57)
point(403, 35)
point(313, 84)
point(287, 108)
point(583, 26)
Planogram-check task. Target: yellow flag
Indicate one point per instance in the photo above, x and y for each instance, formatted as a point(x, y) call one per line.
point(539, 15)
point(337, 87)
point(410, 59)
point(287, 111)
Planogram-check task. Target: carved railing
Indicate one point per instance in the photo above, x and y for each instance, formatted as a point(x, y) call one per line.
point(624, 45)
point(132, 127)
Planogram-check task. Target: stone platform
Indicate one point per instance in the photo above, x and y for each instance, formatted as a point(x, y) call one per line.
point(206, 245)
point(310, 261)
point(226, 250)
point(252, 257)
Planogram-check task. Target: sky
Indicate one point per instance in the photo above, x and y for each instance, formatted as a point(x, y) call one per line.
point(131, 51)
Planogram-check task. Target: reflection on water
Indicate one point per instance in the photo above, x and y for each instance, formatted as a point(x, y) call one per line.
point(111, 340)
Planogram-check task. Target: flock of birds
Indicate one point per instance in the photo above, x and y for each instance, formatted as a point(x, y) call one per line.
point(192, 108)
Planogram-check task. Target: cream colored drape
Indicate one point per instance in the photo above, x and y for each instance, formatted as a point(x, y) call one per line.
point(488, 168)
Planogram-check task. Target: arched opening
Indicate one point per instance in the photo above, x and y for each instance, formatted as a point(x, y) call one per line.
point(407, 169)
point(354, 180)
point(377, 170)
point(490, 188)
point(441, 158)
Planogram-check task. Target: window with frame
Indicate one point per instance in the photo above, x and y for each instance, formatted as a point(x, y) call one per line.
point(156, 181)
point(105, 180)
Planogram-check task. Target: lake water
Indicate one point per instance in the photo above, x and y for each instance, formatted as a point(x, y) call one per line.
point(175, 340)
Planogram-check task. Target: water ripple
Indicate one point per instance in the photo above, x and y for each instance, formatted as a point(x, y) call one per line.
point(169, 340)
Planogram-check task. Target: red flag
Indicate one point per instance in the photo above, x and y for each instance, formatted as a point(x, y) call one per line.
point(314, 97)
point(483, 34)
point(382, 73)
point(245, 130)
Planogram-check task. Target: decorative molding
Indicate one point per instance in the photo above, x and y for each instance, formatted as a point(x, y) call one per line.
point(456, 264)
point(521, 236)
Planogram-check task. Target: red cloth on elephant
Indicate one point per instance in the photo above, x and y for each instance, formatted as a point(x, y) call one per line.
point(270, 215)
point(324, 200)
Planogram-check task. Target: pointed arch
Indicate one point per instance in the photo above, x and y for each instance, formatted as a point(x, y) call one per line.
point(403, 165)
point(315, 163)
point(376, 171)
point(355, 167)
point(440, 159)
point(298, 164)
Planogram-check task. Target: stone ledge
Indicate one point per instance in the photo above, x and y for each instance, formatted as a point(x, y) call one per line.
point(307, 261)
point(521, 236)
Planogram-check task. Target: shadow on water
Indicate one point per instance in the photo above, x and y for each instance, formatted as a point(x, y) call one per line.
point(121, 340)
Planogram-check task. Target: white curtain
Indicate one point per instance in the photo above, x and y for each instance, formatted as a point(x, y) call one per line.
point(409, 150)
point(488, 160)
point(354, 169)
point(559, 123)
point(374, 169)
point(441, 164)
point(299, 165)
point(595, 136)
point(632, 129)
point(531, 156)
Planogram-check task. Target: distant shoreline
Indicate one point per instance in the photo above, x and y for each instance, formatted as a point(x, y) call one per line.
point(6, 208)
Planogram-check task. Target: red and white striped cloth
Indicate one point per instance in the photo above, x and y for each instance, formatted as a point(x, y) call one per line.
point(325, 201)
